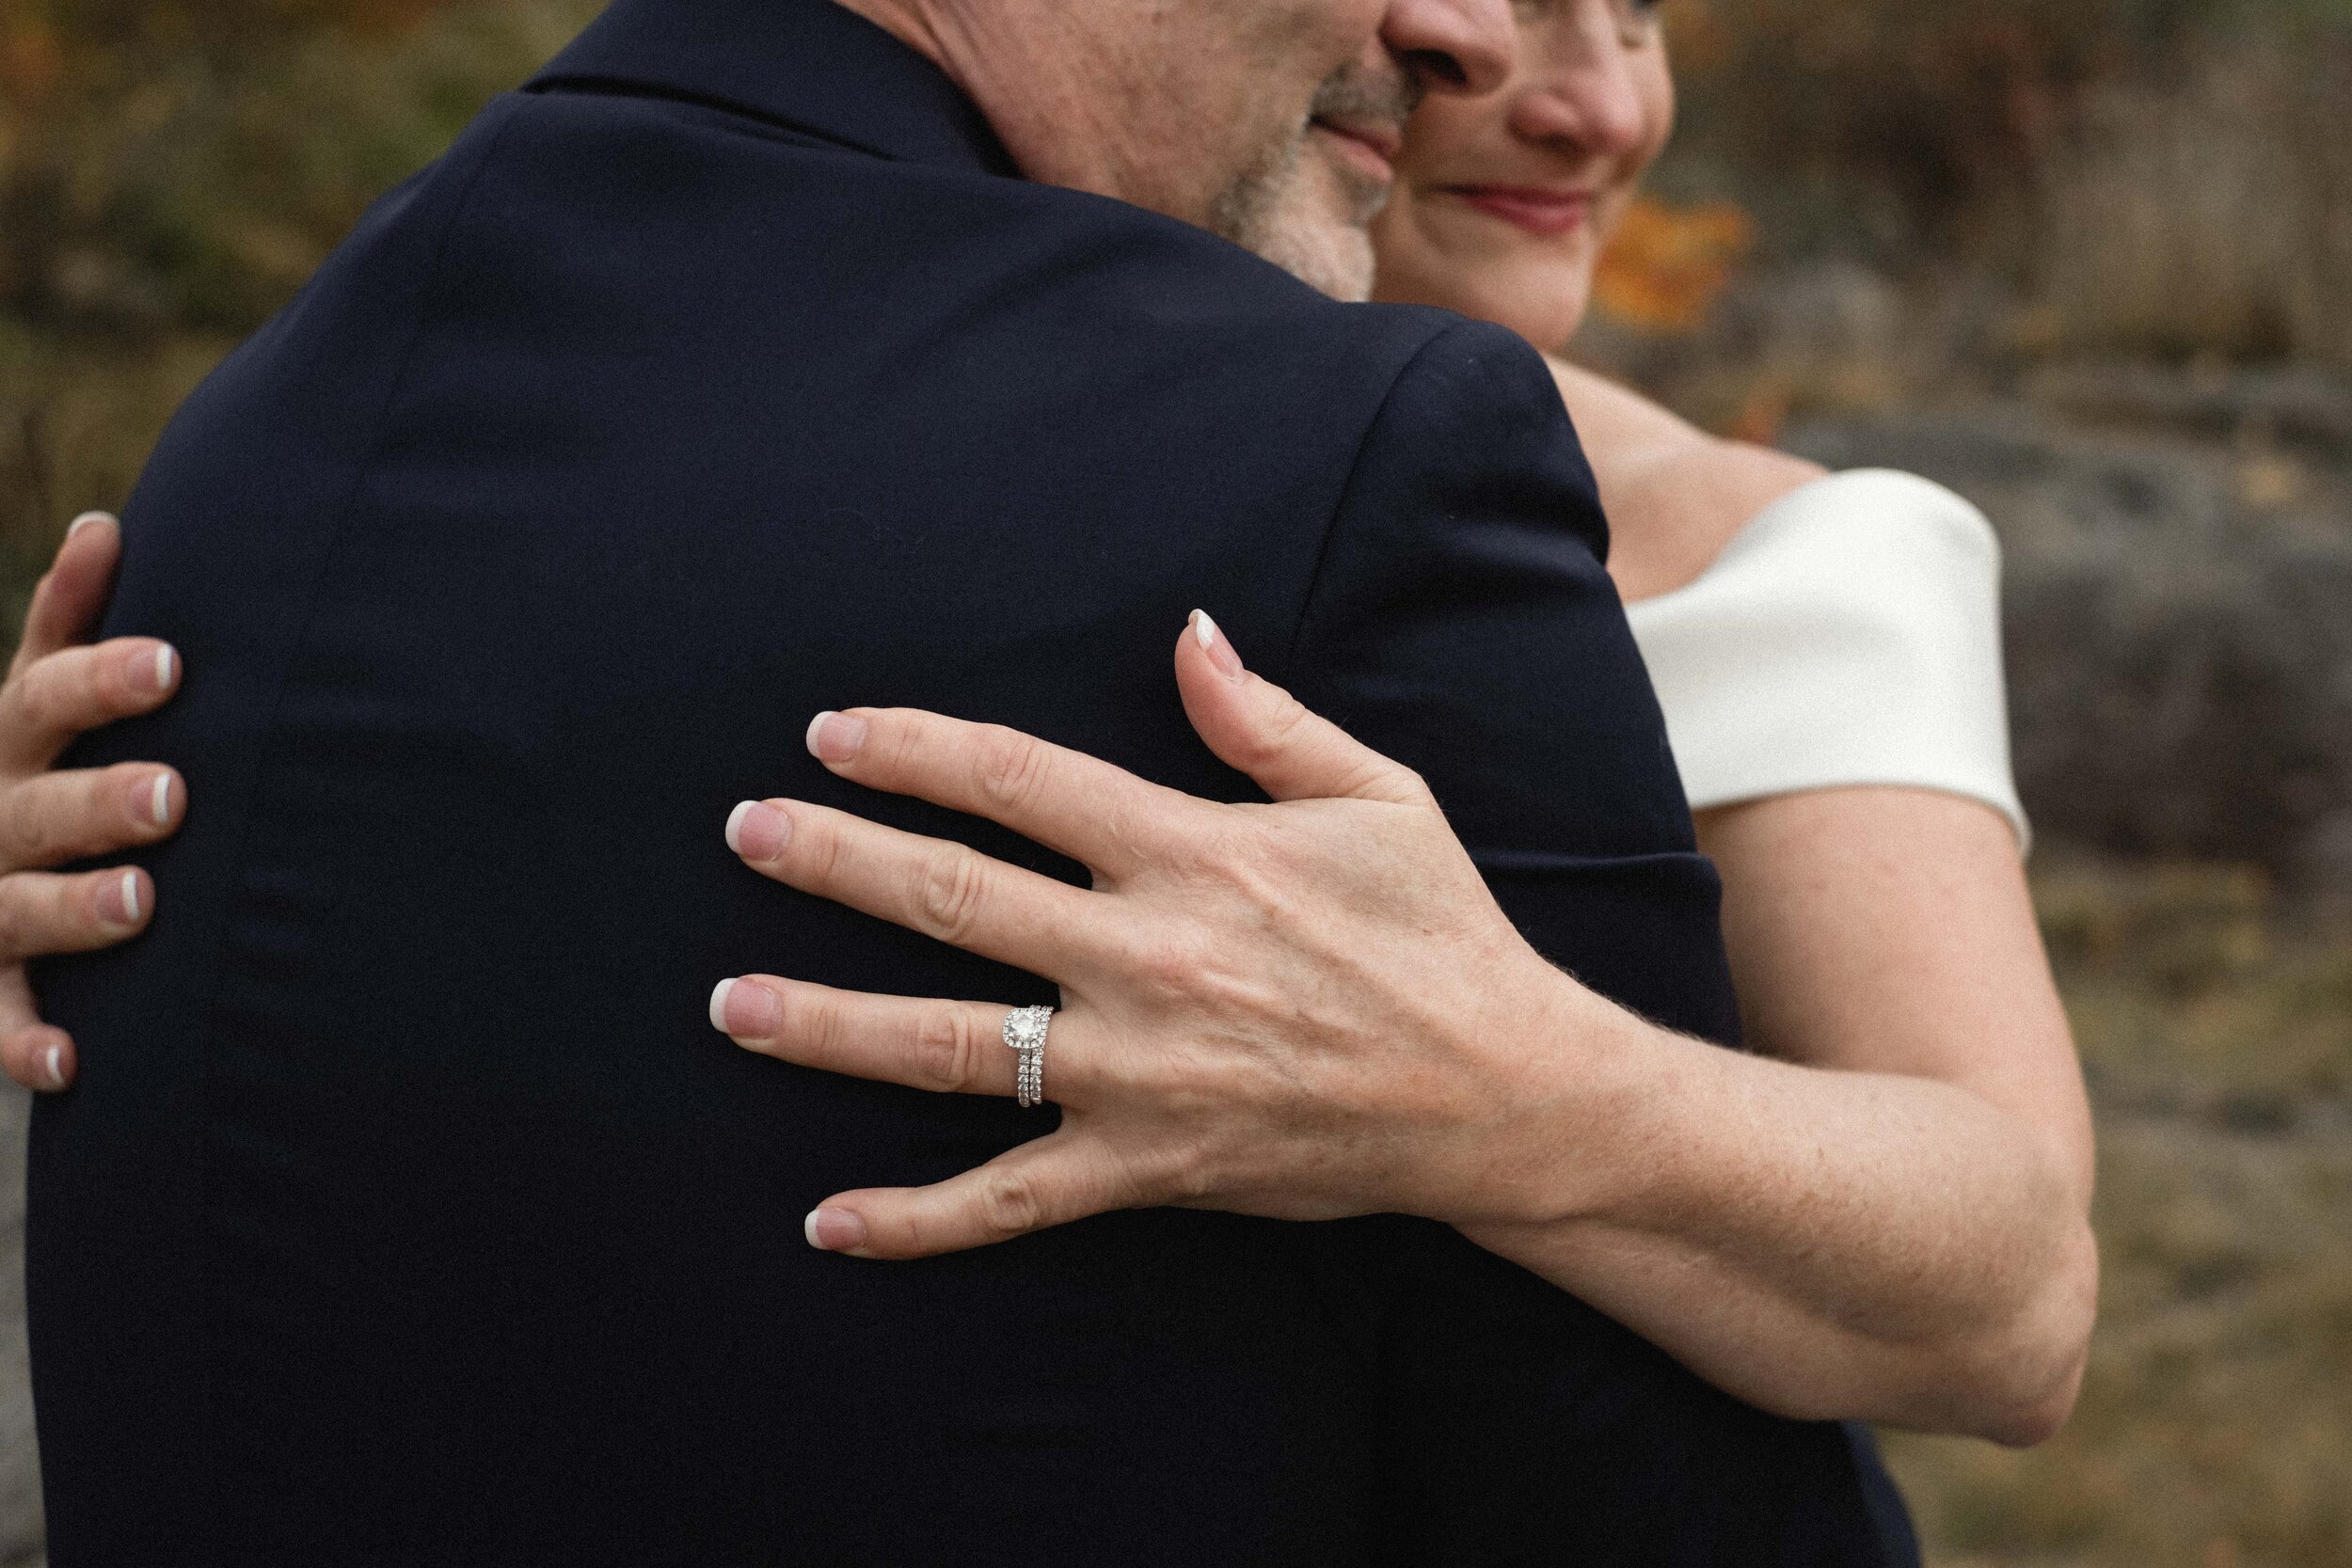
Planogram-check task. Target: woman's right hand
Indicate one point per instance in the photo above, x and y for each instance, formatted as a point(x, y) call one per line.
point(60, 687)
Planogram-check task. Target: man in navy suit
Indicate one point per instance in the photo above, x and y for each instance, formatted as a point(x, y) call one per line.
point(759, 356)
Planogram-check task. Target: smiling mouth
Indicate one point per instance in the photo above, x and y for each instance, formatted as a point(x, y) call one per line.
point(1544, 213)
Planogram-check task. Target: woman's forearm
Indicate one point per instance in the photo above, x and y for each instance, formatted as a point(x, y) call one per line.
point(1820, 1243)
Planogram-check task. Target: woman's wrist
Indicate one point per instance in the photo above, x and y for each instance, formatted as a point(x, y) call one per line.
point(1583, 1081)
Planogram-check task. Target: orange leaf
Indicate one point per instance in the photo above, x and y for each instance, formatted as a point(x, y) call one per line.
point(1665, 266)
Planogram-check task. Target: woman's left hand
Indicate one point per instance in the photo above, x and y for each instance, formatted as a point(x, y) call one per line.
point(1364, 1050)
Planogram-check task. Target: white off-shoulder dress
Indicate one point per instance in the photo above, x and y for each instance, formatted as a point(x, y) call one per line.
point(1850, 634)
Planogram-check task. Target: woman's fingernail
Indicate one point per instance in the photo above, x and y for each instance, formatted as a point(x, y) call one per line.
point(85, 519)
point(118, 900)
point(836, 737)
point(152, 671)
point(1216, 646)
point(757, 831)
point(745, 1012)
point(54, 1062)
point(150, 799)
point(834, 1230)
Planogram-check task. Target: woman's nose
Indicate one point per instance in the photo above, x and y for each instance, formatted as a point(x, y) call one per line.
point(1466, 46)
point(1587, 95)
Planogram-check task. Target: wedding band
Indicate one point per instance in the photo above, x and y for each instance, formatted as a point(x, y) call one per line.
point(1025, 1032)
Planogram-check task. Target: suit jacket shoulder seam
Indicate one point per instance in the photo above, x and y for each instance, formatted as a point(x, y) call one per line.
point(1373, 429)
point(460, 199)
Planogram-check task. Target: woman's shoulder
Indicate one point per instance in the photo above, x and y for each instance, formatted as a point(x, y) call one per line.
point(1674, 495)
point(1849, 634)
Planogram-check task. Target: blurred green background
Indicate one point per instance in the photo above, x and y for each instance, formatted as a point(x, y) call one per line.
point(2089, 263)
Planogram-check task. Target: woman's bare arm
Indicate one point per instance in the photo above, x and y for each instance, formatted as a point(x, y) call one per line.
point(1316, 1008)
point(1886, 1214)
point(1883, 1212)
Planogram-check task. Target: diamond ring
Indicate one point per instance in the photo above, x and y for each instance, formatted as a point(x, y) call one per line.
point(1025, 1032)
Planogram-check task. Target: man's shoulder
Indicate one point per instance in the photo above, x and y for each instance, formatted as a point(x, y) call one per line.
point(962, 249)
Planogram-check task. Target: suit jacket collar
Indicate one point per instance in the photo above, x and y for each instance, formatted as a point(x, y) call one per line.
point(809, 64)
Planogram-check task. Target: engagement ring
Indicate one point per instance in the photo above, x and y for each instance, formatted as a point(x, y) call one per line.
point(1025, 1031)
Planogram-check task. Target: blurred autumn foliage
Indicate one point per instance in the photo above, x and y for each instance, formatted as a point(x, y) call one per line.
point(1665, 265)
point(186, 165)
point(170, 172)
point(2170, 177)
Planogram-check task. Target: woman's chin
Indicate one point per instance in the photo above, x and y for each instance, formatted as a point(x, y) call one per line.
point(1541, 297)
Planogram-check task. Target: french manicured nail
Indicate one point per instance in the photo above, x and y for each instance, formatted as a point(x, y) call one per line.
point(747, 1012)
point(1216, 646)
point(757, 831)
point(834, 1230)
point(54, 1062)
point(150, 799)
point(118, 899)
point(85, 519)
point(154, 672)
point(836, 737)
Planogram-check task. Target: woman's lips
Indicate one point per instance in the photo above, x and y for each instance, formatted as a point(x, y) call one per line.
point(1548, 213)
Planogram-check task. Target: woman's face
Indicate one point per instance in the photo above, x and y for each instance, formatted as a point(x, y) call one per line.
point(1504, 202)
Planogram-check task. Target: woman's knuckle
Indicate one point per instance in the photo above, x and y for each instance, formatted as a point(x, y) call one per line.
point(1280, 733)
point(22, 842)
point(1172, 962)
point(1182, 1175)
point(1010, 767)
point(949, 888)
point(17, 1048)
point(947, 1050)
point(1009, 1204)
point(807, 1021)
point(14, 916)
point(40, 697)
point(818, 847)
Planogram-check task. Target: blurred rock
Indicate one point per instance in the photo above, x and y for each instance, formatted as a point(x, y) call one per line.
point(2302, 405)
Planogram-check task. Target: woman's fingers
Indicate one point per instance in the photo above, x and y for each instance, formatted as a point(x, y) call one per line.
point(1080, 806)
point(37, 1056)
point(54, 818)
point(51, 700)
point(945, 1047)
point(42, 912)
point(947, 890)
point(1063, 1177)
point(1262, 730)
point(57, 690)
point(68, 601)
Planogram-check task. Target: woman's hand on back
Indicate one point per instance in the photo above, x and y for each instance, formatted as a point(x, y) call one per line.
point(1366, 1051)
point(1314, 1008)
point(59, 687)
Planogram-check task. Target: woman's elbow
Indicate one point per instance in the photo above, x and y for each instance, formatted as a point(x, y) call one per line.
point(2028, 1377)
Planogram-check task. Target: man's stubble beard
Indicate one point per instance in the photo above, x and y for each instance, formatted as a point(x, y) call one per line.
point(1312, 215)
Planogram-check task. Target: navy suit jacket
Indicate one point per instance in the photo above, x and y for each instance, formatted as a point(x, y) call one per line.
point(408, 1210)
